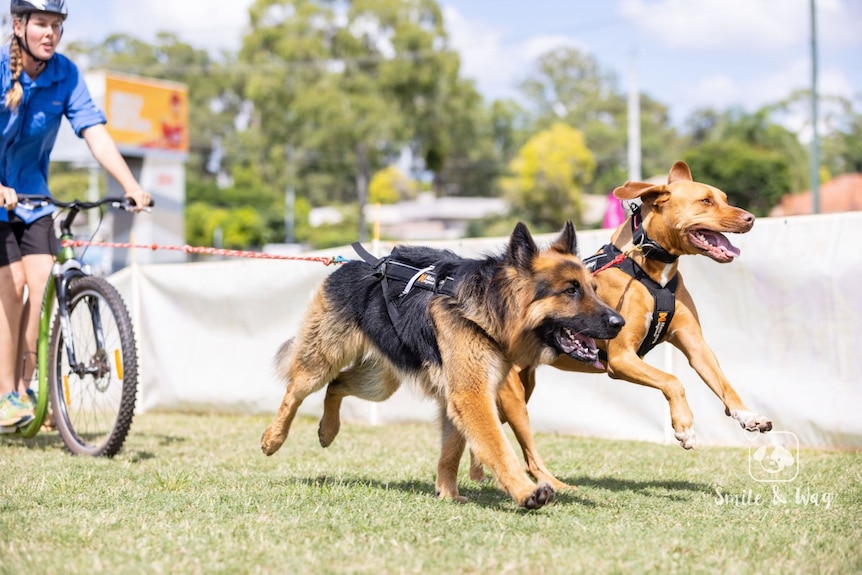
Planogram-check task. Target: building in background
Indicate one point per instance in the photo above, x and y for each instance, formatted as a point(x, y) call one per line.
point(148, 118)
point(841, 194)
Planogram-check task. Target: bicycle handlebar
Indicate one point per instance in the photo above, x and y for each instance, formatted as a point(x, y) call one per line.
point(122, 202)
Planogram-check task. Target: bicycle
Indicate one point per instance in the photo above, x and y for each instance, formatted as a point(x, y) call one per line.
point(86, 357)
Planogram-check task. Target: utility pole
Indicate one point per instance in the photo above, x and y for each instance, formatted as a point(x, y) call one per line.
point(815, 137)
point(290, 197)
point(634, 124)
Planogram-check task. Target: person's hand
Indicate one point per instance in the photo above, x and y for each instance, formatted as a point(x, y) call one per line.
point(140, 197)
point(8, 198)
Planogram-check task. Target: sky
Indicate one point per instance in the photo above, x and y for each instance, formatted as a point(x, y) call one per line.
point(687, 54)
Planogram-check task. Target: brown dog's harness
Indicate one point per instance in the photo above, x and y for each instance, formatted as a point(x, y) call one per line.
point(664, 297)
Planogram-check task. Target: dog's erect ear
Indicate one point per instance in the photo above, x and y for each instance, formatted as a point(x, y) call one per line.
point(679, 171)
point(522, 247)
point(567, 243)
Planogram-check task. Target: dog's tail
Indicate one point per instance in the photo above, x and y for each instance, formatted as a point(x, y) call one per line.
point(282, 359)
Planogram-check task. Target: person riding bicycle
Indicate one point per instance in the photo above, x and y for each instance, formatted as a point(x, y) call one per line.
point(38, 87)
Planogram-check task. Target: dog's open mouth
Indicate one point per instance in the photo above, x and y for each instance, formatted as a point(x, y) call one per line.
point(577, 346)
point(713, 244)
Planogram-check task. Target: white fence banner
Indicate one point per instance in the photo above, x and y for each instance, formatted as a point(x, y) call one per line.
point(785, 321)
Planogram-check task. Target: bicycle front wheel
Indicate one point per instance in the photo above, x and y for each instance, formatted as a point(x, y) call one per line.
point(93, 401)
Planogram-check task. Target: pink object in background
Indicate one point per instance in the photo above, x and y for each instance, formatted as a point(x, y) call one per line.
point(614, 212)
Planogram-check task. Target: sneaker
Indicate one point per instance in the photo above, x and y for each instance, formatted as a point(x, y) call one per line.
point(12, 413)
point(28, 400)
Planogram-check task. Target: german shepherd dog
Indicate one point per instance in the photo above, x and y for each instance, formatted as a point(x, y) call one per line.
point(453, 326)
point(682, 217)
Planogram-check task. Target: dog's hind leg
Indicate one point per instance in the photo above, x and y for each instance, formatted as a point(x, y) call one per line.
point(451, 449)
point(371, 379)
point(477, 470)
point(324, 346)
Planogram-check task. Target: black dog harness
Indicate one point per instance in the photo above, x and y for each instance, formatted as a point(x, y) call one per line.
point(387, 269)
point(664, 297)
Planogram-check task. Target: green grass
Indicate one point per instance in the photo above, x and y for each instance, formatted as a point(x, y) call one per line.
point(193, 494)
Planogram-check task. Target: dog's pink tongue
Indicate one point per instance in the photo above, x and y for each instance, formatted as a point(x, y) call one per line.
point(720, 242)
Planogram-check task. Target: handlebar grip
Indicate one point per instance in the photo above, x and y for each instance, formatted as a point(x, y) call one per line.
point(131, 202)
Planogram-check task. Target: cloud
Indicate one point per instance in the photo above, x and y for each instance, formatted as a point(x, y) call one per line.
point(721, 91)
point(496, 63)
point(739, 25)
point(213, 24)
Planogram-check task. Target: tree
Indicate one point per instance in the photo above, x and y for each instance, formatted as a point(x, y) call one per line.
point(749, 156)
point(349, 85)
point(753, 178)
point(214, 85)
point(569, 85)
point(547, 178)
point(842, 146)
point(389, 186)
point(215, 101)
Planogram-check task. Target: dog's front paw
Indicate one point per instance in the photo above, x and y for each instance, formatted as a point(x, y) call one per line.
point(270, 441)
point(686, 439)
point(450, 495)
point(543, 495)
point(750, 421)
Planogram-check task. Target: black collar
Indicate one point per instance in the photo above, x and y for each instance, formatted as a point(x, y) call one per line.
point(649, 247)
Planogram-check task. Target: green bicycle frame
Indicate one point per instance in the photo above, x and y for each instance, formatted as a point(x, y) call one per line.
point(45, 316)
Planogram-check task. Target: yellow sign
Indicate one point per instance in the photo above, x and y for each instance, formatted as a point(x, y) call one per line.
point(145, 113)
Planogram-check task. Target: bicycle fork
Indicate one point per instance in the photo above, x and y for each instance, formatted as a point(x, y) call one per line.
point(64, 274)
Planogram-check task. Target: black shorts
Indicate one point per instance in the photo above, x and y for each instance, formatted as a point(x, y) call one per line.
point(18, 239)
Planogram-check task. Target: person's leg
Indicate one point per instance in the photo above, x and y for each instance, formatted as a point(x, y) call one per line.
point(37, 269)
point(38, 245)
point(11, 301)
point(12, 281)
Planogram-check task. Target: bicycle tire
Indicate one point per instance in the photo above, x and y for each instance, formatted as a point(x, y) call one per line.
point(93, 414)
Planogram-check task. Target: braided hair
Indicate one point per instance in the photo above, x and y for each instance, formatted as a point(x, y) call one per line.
point(16, 62)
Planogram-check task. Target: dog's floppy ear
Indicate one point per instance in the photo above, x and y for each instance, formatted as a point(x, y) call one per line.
point(653, 194)
point(567, 243)
point(522, 247)
point(679, 171)
point(631, 190)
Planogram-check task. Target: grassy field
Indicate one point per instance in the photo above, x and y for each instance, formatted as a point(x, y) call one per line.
point(193, 494)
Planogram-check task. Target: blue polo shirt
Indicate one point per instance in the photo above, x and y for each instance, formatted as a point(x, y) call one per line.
point(29, 133)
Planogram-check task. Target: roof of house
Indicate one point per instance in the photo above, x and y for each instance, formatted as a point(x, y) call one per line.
point(840, 194)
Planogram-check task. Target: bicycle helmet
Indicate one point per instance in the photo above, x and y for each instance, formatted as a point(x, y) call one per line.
point(23, 7)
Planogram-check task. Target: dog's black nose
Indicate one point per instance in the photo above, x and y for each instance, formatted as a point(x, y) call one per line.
point(616, 321)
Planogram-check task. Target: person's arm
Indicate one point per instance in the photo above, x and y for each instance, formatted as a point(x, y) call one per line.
point(105, 151)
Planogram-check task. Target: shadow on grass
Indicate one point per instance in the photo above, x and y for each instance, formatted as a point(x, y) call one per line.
point(487, 494)
point(50, 441)
point(669, 489)
point(44, 441)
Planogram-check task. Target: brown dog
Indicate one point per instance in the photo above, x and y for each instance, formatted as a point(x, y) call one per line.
point(679, 218)
point(455, 327)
